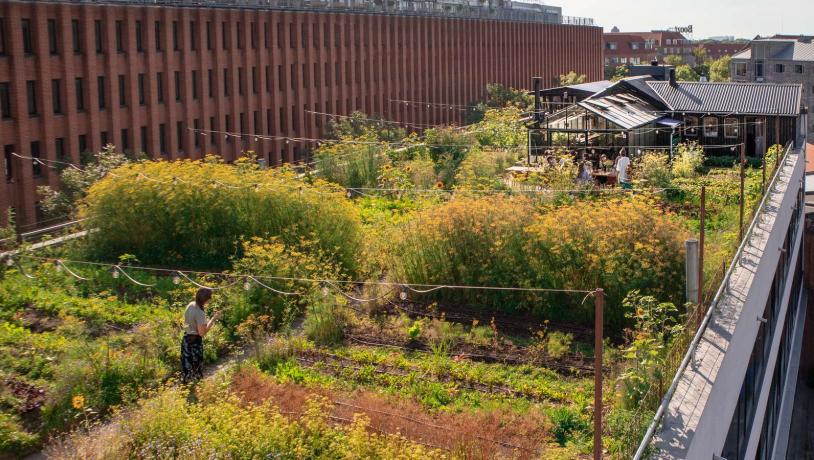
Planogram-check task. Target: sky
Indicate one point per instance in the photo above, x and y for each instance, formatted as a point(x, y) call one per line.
point(741, 18)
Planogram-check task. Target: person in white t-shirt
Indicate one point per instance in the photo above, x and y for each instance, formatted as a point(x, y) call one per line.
point(623, 169)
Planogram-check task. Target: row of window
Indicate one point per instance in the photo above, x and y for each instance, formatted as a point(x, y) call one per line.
point(57, 92)
point(711, 127)
point(231, 33)
point(180, 131)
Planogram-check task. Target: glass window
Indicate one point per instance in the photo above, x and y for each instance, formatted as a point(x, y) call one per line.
point(76, 37)
point(31, 93)
point(159, 86)
point(731, 128)
point(5, 100)
point(798, 68)
point(175, 40)
point(119, 37)
point(139, 37)
point(52, 36)
point(28, 39)
point(710, 127)
point(740, 69)
point(97, 35)
point(779, 68)
point(122, 91)
point(158, 36)
point(56, 95)
point(691, 126)
point(35, 153)
point(2, 36)
point(100, 90)
point(759, 69)
point(79, 85)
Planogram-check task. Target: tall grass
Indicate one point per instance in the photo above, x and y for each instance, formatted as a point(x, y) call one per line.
point(621, 245)
point(195, 213)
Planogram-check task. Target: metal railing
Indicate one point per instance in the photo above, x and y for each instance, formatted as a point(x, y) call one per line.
point(665, 401)
point(467, 9)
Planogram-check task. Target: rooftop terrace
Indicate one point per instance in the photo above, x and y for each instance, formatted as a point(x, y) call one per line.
point(504, 10)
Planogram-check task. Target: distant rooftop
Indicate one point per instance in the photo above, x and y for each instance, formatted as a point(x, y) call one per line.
point(505, 10)
point(793, 49)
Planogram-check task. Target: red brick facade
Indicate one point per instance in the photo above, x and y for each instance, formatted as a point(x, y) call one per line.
point(266, 69)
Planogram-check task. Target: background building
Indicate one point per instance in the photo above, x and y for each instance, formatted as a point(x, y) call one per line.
point(779, 60)
point(637, 48)
point(76, 76)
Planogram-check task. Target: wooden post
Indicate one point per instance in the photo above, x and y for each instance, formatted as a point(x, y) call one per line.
point(599, 307)
point(777, 139)
point(702, 234)
point(763, 181)
point(742, 197)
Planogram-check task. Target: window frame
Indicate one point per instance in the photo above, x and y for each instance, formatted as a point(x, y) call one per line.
point(711, 130)
point(731, 130)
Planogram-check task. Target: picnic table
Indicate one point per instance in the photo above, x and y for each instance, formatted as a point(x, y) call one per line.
point(605, 178)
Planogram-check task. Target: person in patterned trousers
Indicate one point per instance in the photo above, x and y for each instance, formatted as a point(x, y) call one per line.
point(196, 326)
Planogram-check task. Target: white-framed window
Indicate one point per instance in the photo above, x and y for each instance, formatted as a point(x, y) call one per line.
point(731, 130)
point(740, 69)
point(710, 126)
point(691, 126)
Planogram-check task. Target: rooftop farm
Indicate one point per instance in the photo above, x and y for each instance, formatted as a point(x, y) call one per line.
point(399, 297)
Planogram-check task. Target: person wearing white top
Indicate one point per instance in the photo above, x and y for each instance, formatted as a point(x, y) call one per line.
point(623, 169)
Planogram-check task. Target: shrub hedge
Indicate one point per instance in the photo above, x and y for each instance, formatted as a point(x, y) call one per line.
point(195, 213)
point(620, 245)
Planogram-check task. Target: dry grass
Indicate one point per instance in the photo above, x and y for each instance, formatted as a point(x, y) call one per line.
point(469, 435)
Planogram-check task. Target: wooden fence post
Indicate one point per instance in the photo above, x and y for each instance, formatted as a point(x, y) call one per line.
point(599, 307)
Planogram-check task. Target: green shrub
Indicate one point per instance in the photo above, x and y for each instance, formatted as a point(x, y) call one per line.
point(617, 245)
point(567, 424)
point(195, 213)
point(351, 165)
point(688, 161)
point(466, 242)
point(654, 168)
point(558, 344)
point(271, 258)
point(14, 439)
point(483, 170)
point(325, 320)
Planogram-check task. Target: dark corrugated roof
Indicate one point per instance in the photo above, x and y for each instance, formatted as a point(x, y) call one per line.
point(627, 111)
point(738, 98)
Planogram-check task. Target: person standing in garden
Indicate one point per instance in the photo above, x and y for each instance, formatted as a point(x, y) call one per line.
point(196, 327)
point(623, 169)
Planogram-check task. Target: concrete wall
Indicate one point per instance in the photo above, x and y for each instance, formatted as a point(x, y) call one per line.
point(379, 58)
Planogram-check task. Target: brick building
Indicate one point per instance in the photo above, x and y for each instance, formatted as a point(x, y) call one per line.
point(76, 76)
point(637, 48)
point(779, 60)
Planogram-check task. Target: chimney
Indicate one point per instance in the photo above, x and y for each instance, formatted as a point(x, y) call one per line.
point(672, 72)
point(537, 83)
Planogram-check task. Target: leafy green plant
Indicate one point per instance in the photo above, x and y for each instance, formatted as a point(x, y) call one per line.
point(655, 325)
point(558, 344)
point(567, 424)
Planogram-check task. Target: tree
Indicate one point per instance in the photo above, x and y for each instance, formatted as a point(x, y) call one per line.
point(700, 54)
point(686, 73)
point(719, 69)
point(76, 182)
point(358, 124)
point(572, 78)
point(674, 60)
point(619, 73)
